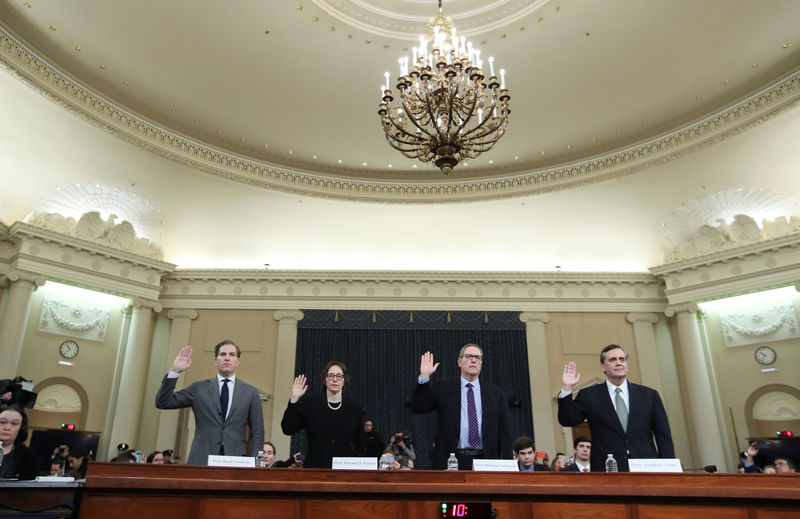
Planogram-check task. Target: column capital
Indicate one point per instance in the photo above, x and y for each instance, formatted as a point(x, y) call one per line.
point(688, 308)
point(36, 280)
point(542, 317)
point(642, 317)
point(288, 315)
point(141, 302)
point(182, 313)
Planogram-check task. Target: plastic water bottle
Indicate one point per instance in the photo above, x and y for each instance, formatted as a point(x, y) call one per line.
point(452, 462)
point(611, 464)
point(1, 454)
point(383, 463)
point(261, 460)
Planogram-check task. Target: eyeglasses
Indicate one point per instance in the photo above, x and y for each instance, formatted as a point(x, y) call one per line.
point(470, 356)
point(335, 376)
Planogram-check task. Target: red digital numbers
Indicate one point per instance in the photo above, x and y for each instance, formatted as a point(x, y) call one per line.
point(459, 510)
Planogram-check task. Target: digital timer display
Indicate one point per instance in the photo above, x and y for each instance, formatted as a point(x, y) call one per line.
point(464, 509)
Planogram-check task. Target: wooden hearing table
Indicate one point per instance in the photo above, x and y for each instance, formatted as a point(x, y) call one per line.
point(127, 490)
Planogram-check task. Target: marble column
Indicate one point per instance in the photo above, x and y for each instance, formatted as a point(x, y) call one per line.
point(284, 375)
point(542, 395)
point(128, 413)
point(19, 287)
point(707, 430)
point(645, 338)
point(168, 420)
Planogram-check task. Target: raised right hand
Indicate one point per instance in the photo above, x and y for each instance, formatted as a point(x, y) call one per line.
point(183, 360)
point(570, 377)
point(299, 388)
point(426, 365)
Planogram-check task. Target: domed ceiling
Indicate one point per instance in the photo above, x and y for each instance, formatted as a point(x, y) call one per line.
point(285, 94)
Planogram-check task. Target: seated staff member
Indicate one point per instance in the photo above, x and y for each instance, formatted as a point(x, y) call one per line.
point(582, 451)
point(19, 461)
point(332, 422)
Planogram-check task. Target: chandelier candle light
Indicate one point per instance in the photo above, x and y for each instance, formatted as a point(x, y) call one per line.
point(447, 113)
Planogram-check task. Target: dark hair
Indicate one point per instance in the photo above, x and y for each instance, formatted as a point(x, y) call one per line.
point(22, 435)
point(324, 373)
point(125, 457)
point(609, 348)
point(78, 453)
point(223, 343)
point(152, 456)
point(788, 462)
point(581, 439)
point(522, 443)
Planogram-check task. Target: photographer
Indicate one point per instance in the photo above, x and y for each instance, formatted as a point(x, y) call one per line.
point(400, 445)
point(17, 391)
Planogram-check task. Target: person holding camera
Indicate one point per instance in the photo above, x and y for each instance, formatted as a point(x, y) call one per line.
point(400, 445)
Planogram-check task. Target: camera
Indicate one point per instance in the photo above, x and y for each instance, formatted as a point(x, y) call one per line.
point(402, 438)
point(17, 391)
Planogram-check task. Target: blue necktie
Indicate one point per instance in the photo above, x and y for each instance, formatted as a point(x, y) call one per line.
point(223, 399)
point(474, 434)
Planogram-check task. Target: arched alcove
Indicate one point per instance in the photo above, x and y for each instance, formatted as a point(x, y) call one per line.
point(771, 408)
point(60, 400)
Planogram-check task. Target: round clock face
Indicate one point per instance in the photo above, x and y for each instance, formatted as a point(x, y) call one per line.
point(765, 355)
point(68, 349)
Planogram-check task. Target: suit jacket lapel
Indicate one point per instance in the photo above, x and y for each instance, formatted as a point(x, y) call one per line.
point(213, 394)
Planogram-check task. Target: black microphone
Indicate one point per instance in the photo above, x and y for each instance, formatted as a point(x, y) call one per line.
point(707, 468)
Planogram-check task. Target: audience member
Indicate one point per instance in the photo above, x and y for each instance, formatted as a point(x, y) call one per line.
point(400, 445)
point(19, 461)
point(77, 459)
point(294, 462)
point(125, 457)
point(394, 464)
point(156, 457)
point(373, 442)
point(56, 467)
point(269, 454)
point(582, 453)
point(784, 466)
point(406, 463)
point(770, 469)
point(560, 460)
point(525, 455)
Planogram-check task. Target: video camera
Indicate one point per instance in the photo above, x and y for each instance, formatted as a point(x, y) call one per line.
point(17, 391)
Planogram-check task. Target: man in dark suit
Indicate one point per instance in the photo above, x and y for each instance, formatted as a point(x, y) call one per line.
point(581, 454)
point(222, 406)
point(472, 415)
point(624, 418)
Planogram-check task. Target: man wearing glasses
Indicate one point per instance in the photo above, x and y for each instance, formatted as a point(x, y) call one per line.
point(222, 406)
point(472, 415)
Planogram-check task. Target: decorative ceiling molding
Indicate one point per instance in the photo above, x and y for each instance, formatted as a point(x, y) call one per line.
point(384, 19)
point(44, 77)
point(757, 266)
point(423, 290)
point(85, 263)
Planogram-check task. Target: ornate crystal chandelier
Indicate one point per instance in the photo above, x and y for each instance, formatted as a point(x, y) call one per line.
point(447, 112)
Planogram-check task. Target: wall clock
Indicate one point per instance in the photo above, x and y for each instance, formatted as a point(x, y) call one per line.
point(68, 349)
point(765, 355)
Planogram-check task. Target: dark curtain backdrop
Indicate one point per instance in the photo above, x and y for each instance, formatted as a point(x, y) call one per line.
point(382, 352)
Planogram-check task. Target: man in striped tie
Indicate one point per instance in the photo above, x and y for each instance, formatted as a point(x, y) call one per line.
point(472, 414)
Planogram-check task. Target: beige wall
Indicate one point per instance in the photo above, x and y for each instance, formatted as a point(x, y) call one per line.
point(739, 377)
point(93, 368)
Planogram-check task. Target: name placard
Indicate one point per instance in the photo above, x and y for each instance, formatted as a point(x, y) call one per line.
point(354, 463)
point(655, 465)
point(495, 465)
point(215, 460)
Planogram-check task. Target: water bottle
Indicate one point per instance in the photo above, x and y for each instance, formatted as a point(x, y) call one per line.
point(611, 464)
point(452, 462)
point(1, 454)
point(261, 460)
point(383, 463)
